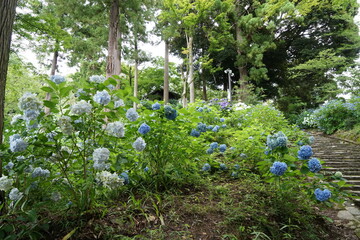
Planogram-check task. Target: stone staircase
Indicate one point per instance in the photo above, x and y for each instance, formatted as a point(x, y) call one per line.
point(339, 155)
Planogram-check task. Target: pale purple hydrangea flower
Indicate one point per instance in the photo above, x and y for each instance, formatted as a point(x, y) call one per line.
point(97, 79)
point(57, 79)
point(39, 172)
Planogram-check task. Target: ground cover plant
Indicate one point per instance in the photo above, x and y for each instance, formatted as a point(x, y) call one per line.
point(96, 167)
point(336, 116)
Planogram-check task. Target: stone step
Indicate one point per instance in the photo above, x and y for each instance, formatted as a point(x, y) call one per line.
point(352, 177)
point(343, 164)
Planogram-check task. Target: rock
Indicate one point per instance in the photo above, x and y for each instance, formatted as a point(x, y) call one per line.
point(353, 210)
point(344, 214)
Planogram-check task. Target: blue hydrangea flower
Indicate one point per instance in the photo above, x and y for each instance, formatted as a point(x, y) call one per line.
point(314, 165)
point(222, 166)
point(31, 114)
point(214, 145)
point(278, 168)
point(216, 128)
point(57, 79)
point(235, 174)
point(199, 109)
point(17, 144)
point(170, 113)
point(322, 195)
point(300, 143)
point(9, 166)
point(222, 119)
point(156, 106)
point(210, 127)
point(223, 126)
point(132, 115)
point(209, 151)
point(144, 128)
point(305, 152)
point(277, 140)
point(206, 167)
point(195, 133)
point(232, 148)
point(236, 167)
point(29, 101)
point(139, 144)
point(311, 139)
point(222, 147)
point(146, 169)
point(201, 127)
point(126, 178)
point(102, 97)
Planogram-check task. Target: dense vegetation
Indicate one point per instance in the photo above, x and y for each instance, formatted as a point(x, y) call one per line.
point(94, 152)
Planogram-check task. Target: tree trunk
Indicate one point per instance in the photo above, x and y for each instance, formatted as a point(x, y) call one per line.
point(136, 72)
point(191, 69)
point(52, 73)
point(7, 15)
point(202, 76)
point(242, 69)
point(113, 65)
point(183, 95)
point(166, 73)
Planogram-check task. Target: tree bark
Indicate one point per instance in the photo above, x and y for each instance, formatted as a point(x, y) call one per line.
point(191, 69)
point(242, 69)
point(166, 73)
point(52, 73)
point(7, 16)
point(113, 65)
point(202, 76)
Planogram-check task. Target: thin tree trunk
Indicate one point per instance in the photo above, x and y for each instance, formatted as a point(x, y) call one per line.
point(183, 95)
point(136, 72)
point(191, 69)
point(52, 73)
point(113, 66)
point(242, 69)
point(166, 73)
point(7, 15)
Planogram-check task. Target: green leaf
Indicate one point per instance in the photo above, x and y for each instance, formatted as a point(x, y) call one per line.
point(65, 91)
point(304, 170)
point(49, 104)
point(47, 89)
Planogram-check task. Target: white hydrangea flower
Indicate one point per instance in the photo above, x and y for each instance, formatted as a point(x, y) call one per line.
point(16, 118)
point(81, 107)
point(29, 101)
point(64, 123)
point(119, 103)
point(5, 183)
point(109, 180)
point(15, 194)
point(116, 129)
point(97, 79)
point(100, 157)
point(139, 144)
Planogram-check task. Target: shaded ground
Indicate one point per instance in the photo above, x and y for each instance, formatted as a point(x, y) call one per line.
point(237, 209)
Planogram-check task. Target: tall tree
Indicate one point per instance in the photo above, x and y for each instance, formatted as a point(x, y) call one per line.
point(7, 16)
point(113, 64)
